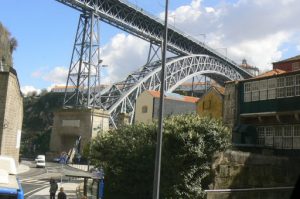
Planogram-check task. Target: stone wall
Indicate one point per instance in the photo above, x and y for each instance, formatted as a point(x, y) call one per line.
point(262, 174)
point(230, 104)
point(11, 114)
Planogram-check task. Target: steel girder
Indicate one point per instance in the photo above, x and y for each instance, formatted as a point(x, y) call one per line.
point(136, 21)
point(84, 71)
point(121, 97)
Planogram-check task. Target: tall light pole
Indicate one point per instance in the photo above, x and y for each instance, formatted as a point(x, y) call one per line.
point(156, 182)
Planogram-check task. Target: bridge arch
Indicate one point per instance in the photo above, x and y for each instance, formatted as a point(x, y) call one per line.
point(121, 97)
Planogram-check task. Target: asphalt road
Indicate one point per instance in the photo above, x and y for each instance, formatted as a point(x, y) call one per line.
point(37, 179)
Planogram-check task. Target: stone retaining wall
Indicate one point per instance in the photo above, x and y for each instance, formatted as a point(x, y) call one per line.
point(241, 170)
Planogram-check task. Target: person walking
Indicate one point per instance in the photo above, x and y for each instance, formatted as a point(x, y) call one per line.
point(53, 188)
point(61, 194)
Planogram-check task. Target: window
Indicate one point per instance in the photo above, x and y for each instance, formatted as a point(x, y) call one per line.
point(280, 91)
point(261, 135)
point(255, 86)
point(281, 136)
point(255, 95)
point(297, 85)
point(247, 97)
point(263, 89)
point(278, 137)
point(289, 83)
point(297, 131)
point(272, 83)
point(247, 87)
point(269, 136)
point(287, 140)
point(296, 138)
point(255, 91)
point(144, 109)
point(247, 92)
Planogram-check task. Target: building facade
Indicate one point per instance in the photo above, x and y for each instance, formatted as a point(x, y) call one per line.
point(11, 114)
point(291, 64)
point(265, 110)
point(211, 103)
point(147, 106)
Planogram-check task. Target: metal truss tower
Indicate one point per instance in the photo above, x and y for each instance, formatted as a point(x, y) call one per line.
point(83, 82)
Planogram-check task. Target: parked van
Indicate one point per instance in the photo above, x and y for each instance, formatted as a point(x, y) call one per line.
point(40, 161)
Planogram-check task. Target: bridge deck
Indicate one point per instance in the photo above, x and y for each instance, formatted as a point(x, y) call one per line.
point(136, 21)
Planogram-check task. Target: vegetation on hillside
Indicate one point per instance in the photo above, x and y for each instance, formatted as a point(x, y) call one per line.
point(7, 45)
point(127, 156)
point(38, 120)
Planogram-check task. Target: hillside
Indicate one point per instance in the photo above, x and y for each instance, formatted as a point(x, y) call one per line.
point(38, 120)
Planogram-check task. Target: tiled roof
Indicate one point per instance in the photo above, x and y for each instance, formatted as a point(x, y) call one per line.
point(174, 96)
point(289, 59)
point(154, 93)
point(190, 99)
point(271, 73)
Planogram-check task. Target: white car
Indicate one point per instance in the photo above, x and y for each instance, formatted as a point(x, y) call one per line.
point(40, 161)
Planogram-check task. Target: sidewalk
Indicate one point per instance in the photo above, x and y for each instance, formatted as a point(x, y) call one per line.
point(22, 168)
point(69, 189)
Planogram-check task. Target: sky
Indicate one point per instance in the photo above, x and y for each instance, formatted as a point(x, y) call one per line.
point(261, 31)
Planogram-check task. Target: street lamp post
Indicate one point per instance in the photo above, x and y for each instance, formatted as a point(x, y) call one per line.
point(156, 182)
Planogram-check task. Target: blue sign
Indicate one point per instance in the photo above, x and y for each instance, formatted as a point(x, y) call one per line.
point(101, 188)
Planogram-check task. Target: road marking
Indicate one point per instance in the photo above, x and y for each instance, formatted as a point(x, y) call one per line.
point(37, 189)
point(36, 183)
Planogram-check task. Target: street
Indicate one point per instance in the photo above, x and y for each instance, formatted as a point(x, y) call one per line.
point(35, 182)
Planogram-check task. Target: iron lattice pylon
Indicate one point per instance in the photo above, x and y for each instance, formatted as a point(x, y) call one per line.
point(83, 81)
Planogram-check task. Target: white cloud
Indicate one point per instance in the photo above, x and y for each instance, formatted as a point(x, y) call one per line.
point(298, 47)
point(245, 28)
point(262, 51)
point(123, 55)
point(29, 89)
point(58, 75)
point(209, 9)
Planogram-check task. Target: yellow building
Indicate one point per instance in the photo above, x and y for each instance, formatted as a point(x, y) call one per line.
point(211, 103)
point(147, 105)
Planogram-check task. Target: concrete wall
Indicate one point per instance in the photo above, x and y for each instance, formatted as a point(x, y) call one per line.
point(173, 107)
point(11, 114)
point(210, 104)
point(69, 124)
point(145, 99)
point(244, 170)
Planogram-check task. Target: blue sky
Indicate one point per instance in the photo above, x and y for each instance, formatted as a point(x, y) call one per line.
point(45, 32)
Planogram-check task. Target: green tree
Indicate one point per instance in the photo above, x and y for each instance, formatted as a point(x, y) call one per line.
point(189, 143)
point(7, 45)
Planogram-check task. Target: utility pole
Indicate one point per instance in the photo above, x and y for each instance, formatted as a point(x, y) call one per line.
point(156, 183)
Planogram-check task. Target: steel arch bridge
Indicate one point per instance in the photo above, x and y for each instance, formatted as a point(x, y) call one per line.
point(121, 97)
point(195, 57)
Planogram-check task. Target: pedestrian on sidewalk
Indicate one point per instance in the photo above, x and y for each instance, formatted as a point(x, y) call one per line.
point(53, 188)
point(61, 194)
